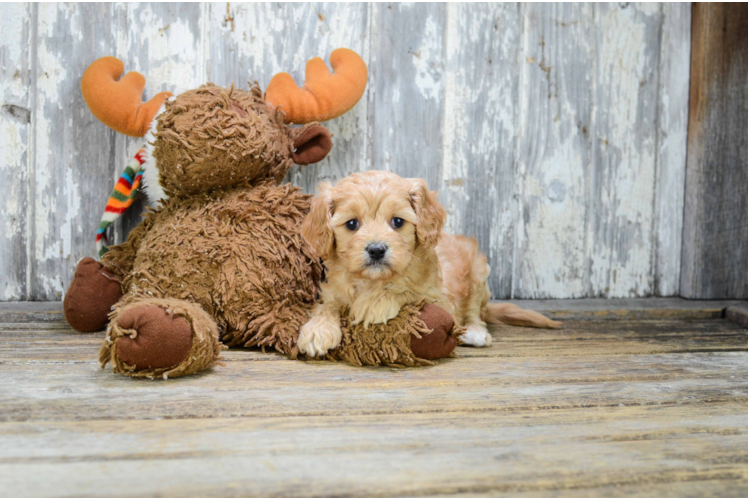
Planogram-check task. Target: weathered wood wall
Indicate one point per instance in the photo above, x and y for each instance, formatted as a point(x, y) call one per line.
point(556, 134)
point(715, 234)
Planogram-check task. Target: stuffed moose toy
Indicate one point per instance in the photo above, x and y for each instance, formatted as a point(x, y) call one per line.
point(220, 262)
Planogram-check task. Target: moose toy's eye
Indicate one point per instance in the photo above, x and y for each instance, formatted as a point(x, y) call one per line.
point(352, 224)
point(397, 222)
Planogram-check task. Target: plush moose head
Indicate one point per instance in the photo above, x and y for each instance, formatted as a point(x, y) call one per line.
point(211, 137)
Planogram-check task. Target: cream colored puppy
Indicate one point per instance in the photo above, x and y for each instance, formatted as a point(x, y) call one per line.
point(380, 238)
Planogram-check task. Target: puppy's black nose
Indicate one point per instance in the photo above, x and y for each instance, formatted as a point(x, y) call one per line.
point(376, 250)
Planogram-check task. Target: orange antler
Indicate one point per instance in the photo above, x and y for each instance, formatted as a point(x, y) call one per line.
point(324, 96)
point(118, 104)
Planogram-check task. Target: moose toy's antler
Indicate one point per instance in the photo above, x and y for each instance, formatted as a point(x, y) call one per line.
point(118, 104)
point(324, 96)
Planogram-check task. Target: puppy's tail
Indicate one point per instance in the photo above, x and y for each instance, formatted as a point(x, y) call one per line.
point(514, 315)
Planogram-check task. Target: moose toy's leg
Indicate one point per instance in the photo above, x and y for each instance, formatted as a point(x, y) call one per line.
point(441, 341)
point(160, 338)
point(91, 295)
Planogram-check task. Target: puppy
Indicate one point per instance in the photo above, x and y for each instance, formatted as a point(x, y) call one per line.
point(380, 237)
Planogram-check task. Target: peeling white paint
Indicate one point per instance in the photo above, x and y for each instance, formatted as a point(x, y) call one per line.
point(554, 254)
point(11, 29)
point(73, 202)
point(553, 131)
point(427, 61)
point(621, 265)
point(47, 244)
point(52, 286)
point(11, 47)
point(454, 130)
point(14, 132)
point(671, 153)
point(167, 47)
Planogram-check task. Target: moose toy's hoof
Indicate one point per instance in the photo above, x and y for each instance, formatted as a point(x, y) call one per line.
point(162, 340)
point(93, 292)
point(439, 343)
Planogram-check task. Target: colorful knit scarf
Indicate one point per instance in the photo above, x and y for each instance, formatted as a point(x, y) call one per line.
point(122, 197)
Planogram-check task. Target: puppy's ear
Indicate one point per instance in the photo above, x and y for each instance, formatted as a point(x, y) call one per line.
point(429, 211)
point(316, 229)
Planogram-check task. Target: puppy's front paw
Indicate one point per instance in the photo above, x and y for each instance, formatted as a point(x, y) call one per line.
point(319, 335)
point(477, 336)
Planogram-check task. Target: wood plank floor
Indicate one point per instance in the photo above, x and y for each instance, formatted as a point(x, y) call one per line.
point(620, 402)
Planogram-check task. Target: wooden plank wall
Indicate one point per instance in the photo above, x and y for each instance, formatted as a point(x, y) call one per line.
point(715, 235)
point(556, 134)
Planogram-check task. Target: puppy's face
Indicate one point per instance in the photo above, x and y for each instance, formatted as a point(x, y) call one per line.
point(372, 223)
point(375, 230)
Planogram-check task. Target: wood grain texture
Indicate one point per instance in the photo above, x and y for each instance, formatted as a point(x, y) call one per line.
point(571, 412)
point(594, 363)
point(626, 332)
point(15, 147)
point(649, 308)
point(406, 88)
point(73, 150)
point(554, 160)
point(672, 116)
point(392, 455)
point(481, 108)
point(738, 314)
point(715, 233)
point(553, 132)
point(623, 148)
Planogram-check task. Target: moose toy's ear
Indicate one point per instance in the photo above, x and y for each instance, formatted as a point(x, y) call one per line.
point(116, 101)
point(324, 95)
point(310, 144)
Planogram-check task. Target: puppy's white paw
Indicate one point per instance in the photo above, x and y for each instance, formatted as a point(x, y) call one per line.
point(477, 336)
point(319, 335)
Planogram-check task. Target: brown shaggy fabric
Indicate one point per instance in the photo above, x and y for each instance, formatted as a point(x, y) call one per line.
point(212, 137)
point(388, 343)
point(440, 342)
point(91, 295)
point(120, 258)
point(203, 353)
point(162, 340)
point(238, 254)
point(224, 252)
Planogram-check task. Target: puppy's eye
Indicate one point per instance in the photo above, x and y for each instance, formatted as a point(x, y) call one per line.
point(352, 224)
point(397, 222)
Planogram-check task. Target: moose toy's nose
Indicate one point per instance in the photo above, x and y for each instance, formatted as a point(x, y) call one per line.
point(376, 250)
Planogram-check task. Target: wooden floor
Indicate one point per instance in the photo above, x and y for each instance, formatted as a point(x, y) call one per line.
point(631, 398)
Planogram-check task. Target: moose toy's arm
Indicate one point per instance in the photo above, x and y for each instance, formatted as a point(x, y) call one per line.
point(97, 286)
point(90, 296)
point(120, 258)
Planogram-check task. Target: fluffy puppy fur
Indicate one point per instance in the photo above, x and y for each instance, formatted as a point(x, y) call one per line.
point(412, 260)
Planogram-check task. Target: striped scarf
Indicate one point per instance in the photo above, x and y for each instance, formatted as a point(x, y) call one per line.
point(122, 197)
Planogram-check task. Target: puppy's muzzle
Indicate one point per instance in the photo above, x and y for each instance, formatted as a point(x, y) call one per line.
point(376, 252)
